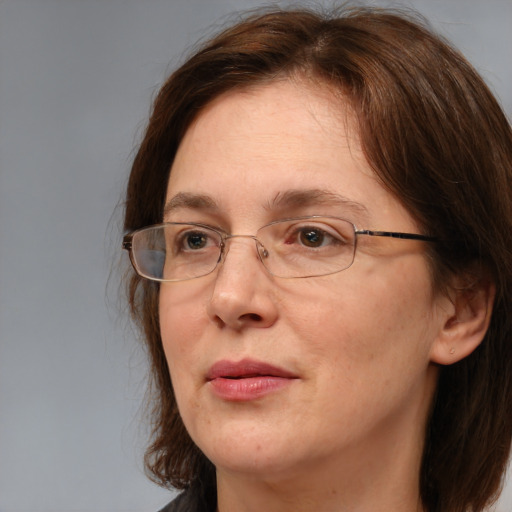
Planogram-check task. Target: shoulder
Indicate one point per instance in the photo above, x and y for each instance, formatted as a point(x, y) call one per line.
point(182, 503)
point(191, 500)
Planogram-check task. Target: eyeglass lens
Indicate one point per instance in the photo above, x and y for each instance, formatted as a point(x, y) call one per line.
point(302, 247)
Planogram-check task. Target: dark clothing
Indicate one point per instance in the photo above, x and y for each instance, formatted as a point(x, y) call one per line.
point(195, 499)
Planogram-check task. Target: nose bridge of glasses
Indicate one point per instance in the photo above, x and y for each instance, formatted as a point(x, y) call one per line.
point(260, 248)
point(253, 237)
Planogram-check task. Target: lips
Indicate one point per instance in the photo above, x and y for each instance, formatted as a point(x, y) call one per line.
point(244, 369)
point(247, 379)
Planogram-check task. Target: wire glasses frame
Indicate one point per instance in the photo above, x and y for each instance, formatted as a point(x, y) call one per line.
point(299, 247)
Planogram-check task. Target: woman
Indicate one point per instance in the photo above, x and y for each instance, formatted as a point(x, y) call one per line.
point(320, 222)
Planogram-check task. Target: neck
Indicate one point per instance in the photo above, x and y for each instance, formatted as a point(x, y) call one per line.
point(387, 482)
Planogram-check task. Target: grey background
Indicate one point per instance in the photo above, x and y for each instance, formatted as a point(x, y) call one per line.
point(76, 81)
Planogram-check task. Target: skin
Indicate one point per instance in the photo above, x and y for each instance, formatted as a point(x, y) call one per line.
point(347, 433)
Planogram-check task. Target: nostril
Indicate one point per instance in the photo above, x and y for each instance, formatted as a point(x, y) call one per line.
point(254, 317)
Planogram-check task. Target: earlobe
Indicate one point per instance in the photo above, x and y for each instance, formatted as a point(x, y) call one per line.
point(465, 322)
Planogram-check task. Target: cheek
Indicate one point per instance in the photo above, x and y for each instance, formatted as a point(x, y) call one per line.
point(181, 309)
point(372, 320)
point(182, 319)
point(397, 328)
point(181, 322)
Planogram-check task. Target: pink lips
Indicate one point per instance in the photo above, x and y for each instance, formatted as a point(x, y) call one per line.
point(246, 380)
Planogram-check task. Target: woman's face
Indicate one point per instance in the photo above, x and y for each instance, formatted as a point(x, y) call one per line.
point(274, 376)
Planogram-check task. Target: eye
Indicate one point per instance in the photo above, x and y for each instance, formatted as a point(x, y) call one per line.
point(312, 237)
point(196, 240)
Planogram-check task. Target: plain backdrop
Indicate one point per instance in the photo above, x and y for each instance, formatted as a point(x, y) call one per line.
point(76, 82)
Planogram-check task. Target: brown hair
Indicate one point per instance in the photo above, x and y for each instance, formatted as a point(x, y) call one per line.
point(438, 140)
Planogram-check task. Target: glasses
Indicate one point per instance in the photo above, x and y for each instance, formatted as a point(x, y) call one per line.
point(291, 248)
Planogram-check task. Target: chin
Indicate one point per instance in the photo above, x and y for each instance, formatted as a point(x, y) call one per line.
point(249, 450)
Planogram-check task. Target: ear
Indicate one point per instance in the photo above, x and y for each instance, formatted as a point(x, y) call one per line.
point(465, 316)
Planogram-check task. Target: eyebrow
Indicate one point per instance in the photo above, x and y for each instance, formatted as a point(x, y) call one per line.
point(297, 198)
point(186, 200)
point(289, 199)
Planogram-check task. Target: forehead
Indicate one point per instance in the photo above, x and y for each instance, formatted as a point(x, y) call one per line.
point(248, 147)
point(274, 118)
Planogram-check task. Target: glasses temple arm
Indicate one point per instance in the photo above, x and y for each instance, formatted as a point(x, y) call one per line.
point(394, 234)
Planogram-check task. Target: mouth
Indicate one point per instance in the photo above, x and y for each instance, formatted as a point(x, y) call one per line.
point(247, 368)
point(247, 379)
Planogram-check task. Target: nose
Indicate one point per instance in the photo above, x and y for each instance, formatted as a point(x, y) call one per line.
point(243, 293)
